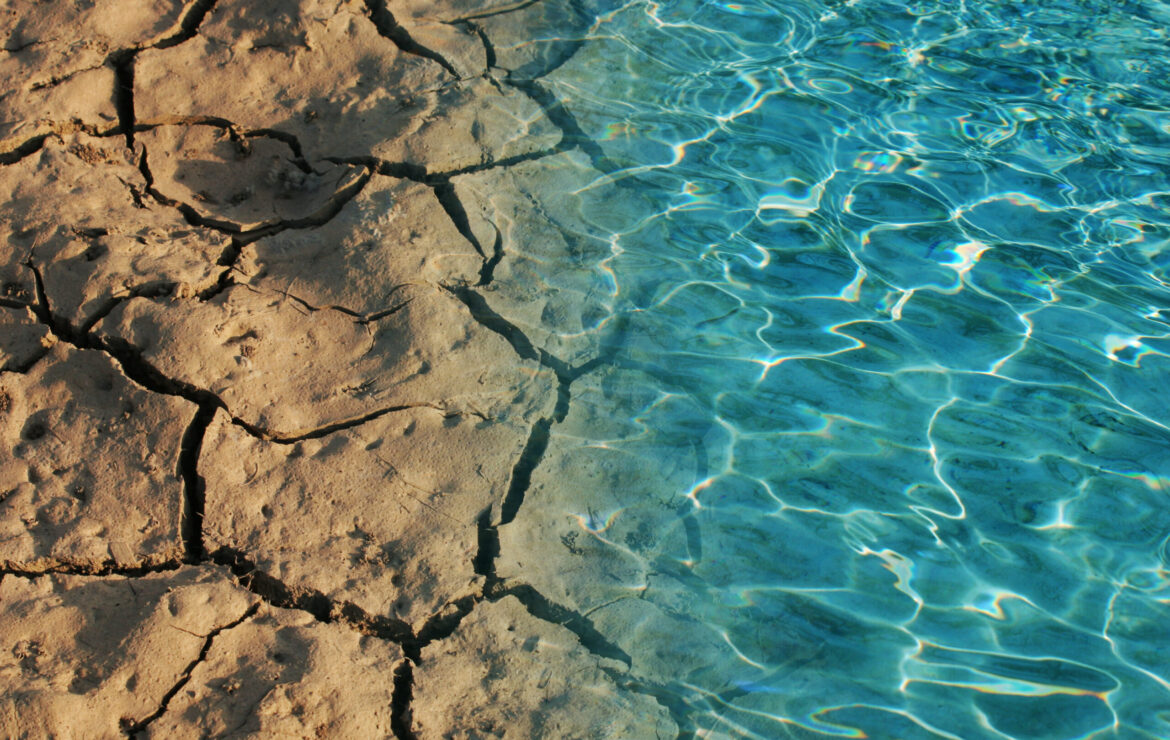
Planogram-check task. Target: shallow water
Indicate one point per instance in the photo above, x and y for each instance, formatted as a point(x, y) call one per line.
point(884, 286)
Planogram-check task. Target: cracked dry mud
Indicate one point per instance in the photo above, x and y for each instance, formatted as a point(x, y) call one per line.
point(278, 366)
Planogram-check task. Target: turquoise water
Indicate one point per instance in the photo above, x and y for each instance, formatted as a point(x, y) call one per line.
point(884, 286)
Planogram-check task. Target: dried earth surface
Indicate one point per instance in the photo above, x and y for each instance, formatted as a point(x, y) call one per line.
point(280, 359)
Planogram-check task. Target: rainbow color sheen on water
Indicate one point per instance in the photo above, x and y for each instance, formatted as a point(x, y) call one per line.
point(888, 281)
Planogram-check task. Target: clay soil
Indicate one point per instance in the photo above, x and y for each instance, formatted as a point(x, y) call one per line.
point(273, 377)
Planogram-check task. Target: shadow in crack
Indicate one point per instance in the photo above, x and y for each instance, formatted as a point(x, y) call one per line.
point(243, 181)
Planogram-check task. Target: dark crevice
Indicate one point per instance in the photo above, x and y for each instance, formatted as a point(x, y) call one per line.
point(561, 409)
point(400, 714)
point(489, 319)
point(358, 318)
point(401, 170)
point(493, 164)
point(532, 454)
point(324, 431)
point(441, 626)
point(191, 524)
point(42, 309)
point(54, 80)
point(389, 28)
point(445, 192)
point(271, 590)
point(489, 49)
point(543, 608)
point(522, 472)
point(222, 283)
point(230, 255)
point(292, 142)
point(189, 25)
point(128, 357)
point(27, 148)
point(324, 609)
point(487, 546)
point(379, 315)
point(419, 173)
point(14, 303)
point(123, 64)
point(488, 271)
point(135, 366)
point(132, 728)
point(16, 44)
point(106, 568)
point(497, 163)
point(587, 367)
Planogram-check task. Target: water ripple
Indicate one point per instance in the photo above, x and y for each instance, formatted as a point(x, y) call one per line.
point(885, 449)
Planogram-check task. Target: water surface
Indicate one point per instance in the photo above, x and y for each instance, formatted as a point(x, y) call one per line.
point(885, 291)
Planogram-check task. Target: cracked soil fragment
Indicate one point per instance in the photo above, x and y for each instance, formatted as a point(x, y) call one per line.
point(244, 182)
point(75, 209)
point(391, 235)
point(505, 673)
point(283, 674)
point(85, 656)
point(23, 339)
point(296, 310)
point(312, 69)
point(289, 371)
point(321, 72)
point(316, 70)
point(562, 310)
point(60, 76)
point(87, 466)
point(382, 515)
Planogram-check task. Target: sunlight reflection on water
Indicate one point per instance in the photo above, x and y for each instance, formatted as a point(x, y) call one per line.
point(891, 281)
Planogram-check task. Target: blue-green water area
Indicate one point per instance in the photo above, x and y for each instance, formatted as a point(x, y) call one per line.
point(889, 339)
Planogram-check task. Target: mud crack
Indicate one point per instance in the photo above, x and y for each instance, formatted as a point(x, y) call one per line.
point(194, 498)
point(122, 62)
point(563, 118)
point(188, 24)
point(389, 28)
point(275, 592)
point(400, 714)
point(132, 728)
point(444, 190)
point(242, 236)
point(105, 568)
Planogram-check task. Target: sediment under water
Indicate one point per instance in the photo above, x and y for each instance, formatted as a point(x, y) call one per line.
point(880, 447)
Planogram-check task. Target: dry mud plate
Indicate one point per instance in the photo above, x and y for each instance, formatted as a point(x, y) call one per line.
point(275, 374)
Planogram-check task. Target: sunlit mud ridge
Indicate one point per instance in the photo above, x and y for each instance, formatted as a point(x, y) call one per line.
point(276, 371)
